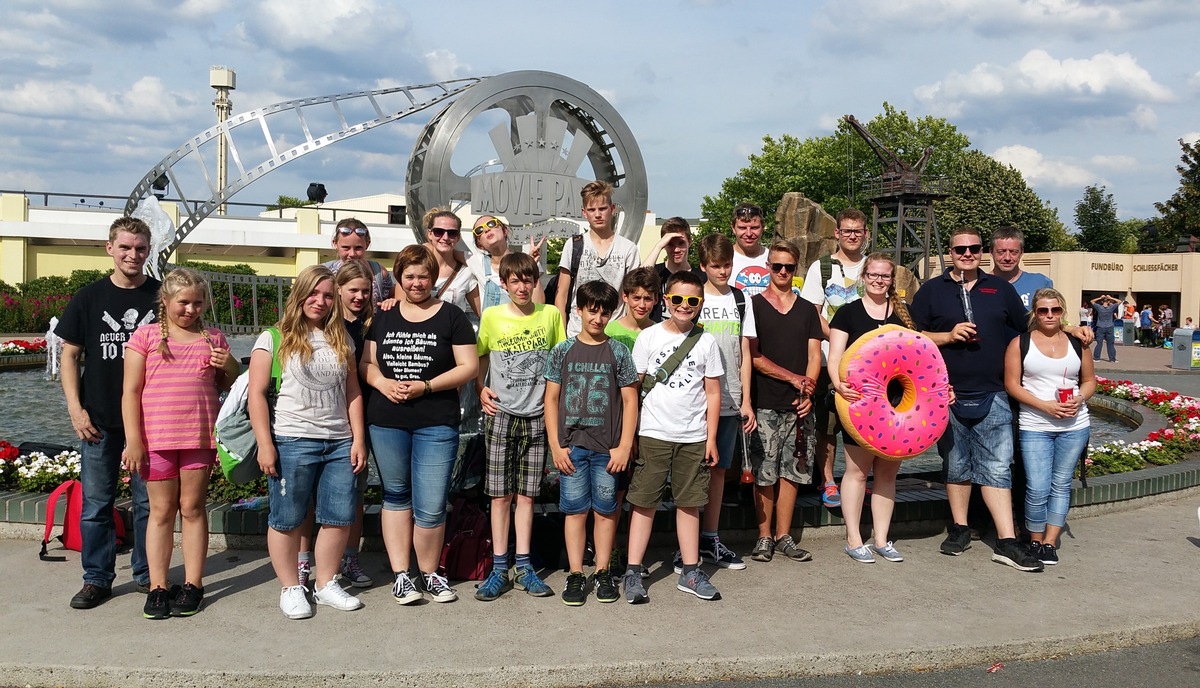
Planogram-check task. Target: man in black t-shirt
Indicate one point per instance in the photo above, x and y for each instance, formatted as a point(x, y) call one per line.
point(97, 322)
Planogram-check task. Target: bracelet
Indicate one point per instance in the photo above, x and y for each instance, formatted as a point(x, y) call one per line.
point(428, 387)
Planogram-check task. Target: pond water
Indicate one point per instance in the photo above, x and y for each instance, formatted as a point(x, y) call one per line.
point(32, 409)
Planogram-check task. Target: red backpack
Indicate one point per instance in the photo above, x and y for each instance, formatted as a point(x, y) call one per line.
point(71, 538)
point(467, 554)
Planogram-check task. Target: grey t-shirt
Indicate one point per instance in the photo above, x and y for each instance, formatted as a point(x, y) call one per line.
point(312, 396)
point(1106, 313)
point(621, 257)
point(589, 402)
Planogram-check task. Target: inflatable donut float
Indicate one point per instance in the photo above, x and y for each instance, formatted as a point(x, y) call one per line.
point(918, 411)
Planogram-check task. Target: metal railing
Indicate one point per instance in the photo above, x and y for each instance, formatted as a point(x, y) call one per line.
point(246, 304)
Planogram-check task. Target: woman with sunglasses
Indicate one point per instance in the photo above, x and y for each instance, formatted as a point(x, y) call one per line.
point(491, 238)
point(454, 282)
point(351, 239)
point(1052, 382)
point(878, 306)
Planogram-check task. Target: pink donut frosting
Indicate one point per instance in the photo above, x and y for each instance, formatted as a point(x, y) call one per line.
point(895, 354)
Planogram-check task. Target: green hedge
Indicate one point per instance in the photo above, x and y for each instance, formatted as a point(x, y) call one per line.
point(29, 306)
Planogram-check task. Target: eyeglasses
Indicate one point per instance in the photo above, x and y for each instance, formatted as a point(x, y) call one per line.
point(439, 232)
point(852, 233)
point(1057, 310)
point(974, 249)
point(347, 231)
point(877, 276)
point(490, 224)
point(679, 300)
point(783, 267)
point(748, 211)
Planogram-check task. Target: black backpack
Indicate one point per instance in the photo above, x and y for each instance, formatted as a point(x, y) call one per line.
point(552, 283)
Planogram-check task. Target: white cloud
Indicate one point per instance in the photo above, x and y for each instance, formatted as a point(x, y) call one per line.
point(341, 27)
point(146, 100)
point(1040, 170)
point(1115, 162)
point(1191, 137)
point(16, 179)
point(1194, 82)
point(444, 65)
point(1102, 85)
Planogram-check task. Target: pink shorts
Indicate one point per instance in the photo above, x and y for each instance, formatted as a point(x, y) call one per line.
point(166, 464)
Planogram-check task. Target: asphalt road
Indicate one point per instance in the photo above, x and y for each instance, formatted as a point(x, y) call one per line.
point(1169, 665)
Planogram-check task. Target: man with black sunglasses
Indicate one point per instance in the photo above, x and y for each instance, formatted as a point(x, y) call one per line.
point(970, 315)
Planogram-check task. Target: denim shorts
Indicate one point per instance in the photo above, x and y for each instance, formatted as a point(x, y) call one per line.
point(414, 469)
point(312, 470)
point(728, 429)
point(590, 487)
point(980, 451)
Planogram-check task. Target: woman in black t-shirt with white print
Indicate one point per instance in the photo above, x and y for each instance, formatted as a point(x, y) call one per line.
point(416, 356)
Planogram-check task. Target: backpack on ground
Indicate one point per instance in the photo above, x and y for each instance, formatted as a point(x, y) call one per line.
point(71, 537)
point(237, 448)
point(467, 554)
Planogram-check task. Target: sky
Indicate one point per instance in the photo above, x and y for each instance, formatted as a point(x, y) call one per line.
point(1069, 92)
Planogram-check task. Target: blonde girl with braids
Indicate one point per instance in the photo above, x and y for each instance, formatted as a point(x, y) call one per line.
point(313, 445)
point(173, 371)
point(878, 306)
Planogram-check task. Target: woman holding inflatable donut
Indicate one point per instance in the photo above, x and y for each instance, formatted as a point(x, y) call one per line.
point(879, 306)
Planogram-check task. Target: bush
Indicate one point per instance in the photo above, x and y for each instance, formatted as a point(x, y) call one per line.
point(29, 306)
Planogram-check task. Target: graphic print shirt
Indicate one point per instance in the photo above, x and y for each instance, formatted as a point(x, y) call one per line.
point(589, 402)
point(621, 257)
point(719, 316)
point(676, 409)
point(516, 346)
point(312, 395)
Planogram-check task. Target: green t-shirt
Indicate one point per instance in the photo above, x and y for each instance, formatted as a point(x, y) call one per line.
point(516, 346)
point(621, 333)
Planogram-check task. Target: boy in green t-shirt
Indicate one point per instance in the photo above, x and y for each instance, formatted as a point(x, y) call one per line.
point(640, 292)
point(514, 339)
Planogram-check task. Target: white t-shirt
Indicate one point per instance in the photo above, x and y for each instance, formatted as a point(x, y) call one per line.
point(719, 315)
point(462, 284)
point(312, 396)
point(621, 257)
point(843, 288)
point(751, 275)
point(676, 410)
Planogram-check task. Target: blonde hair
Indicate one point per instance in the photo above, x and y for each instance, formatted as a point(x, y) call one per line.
point(435, 213)
point(132, 225)
point(898, 305)
point(1046, 293)
point(348, 272)
point(179, 279)
point(292, 329)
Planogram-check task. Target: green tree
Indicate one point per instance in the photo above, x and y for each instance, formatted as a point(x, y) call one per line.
point(1130, 231)
point(288, 202)
point(831, 170)
point(988, 194)
point(1096, 219)
point(1181, 212)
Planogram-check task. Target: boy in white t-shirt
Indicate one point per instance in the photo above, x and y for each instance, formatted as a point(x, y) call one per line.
point(677, 436)
point(605, 255)
point(726, 316)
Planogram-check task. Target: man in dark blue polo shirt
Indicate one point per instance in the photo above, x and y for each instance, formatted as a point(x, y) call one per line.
point(971, 316)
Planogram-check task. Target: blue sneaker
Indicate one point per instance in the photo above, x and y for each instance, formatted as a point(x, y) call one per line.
point(527, 580)
point(496, 584)
point(831, 497)
point(862, 554)
point(715, 552)
point(888, 552)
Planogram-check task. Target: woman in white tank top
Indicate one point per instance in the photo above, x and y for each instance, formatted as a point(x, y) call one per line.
point(1052, 383)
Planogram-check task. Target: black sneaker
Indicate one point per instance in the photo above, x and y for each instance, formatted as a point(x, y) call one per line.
point(606, 590)
point(1011, 553)
point(187, 600)
point(1048, 554)
point(90, 596)
point(958, 540)
point(158, 604)
point(576, 591)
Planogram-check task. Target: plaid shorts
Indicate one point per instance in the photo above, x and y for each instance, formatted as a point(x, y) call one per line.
point(516, 454)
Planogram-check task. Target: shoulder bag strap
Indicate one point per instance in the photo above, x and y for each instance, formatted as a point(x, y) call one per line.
point(673, 361)
point(457, 267)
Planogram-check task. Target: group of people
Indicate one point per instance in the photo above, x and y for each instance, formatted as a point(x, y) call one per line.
point(640, 382)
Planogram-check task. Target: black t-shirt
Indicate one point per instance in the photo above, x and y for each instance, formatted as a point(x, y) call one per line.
point(417, 351)
point(659, 312)
point(854, 320)
point(782, 338)
point(101, 318)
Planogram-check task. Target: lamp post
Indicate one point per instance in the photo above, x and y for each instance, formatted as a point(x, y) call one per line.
point(223, 80)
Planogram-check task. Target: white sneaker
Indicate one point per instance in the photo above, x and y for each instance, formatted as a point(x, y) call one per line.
point(439, 588)
point(333, 595)
point(404, 591)
point(294, 603)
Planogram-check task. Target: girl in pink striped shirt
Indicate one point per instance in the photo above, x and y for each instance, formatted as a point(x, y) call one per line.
point(173, 371)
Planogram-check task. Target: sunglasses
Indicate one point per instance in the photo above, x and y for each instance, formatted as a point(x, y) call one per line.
point(347, 231)
point(490, 224)
point(974, 249)
point(748, 212)
point(783, 267)
point(1057, 310)
point(439, 232)
point(679, 300)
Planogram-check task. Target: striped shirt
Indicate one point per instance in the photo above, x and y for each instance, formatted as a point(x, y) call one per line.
point(179, 396)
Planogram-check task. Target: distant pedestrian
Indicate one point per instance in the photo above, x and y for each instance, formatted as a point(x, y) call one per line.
point(1107, 309)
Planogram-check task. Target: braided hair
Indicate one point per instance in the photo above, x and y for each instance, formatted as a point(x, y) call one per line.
point(180, 279)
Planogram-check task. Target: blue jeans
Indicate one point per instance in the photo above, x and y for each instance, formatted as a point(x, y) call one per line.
point(100, 466)
point(309, 468)
point(1050, 459)
point(590, 487)
point(980, 451)
point(1103, 335)
point(415, 468)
